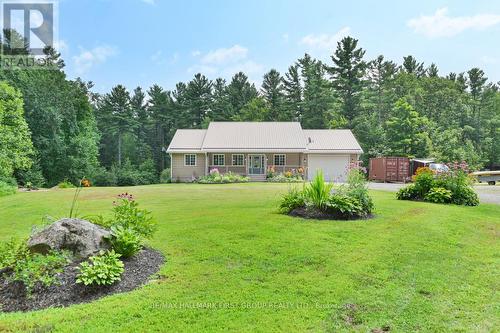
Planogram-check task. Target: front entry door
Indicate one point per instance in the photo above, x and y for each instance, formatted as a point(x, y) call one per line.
point(256, 164)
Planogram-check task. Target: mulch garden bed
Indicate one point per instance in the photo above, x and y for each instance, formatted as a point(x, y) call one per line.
point(316, 214)
point(138, 270)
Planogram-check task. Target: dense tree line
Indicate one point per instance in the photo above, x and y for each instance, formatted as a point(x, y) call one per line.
point(60, 119)
point(405, 109)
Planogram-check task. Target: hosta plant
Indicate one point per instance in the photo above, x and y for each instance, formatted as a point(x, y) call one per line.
point(101, 270)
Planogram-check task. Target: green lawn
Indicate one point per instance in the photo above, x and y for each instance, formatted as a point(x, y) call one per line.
point(234, 264)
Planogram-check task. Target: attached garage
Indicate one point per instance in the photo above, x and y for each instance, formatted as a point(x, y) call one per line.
point(334, 167)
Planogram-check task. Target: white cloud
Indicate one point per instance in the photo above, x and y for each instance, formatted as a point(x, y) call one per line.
point(225, 62)
point(196, 53)
point(224, 55)
point(90, 58)
point(442, 25)
point(325, 41)
point(249, 67)
point(285, 37)
point(149, 2)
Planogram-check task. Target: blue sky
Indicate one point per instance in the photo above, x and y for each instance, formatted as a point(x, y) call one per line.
point(141, 42)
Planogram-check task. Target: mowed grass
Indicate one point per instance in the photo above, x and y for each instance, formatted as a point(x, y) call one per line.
point(235, 264)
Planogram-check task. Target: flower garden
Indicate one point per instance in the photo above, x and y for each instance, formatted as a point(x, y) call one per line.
point(216, 177)
point(290, 176)
point(320, 200)
point(451, 187)
point(72, 260)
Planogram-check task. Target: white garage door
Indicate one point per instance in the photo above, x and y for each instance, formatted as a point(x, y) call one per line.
point(334, 167)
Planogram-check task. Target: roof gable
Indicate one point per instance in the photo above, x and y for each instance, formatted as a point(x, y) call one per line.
point(324, 140)
point(187, 139)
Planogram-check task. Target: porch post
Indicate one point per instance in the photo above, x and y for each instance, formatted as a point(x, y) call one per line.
point(206, 164)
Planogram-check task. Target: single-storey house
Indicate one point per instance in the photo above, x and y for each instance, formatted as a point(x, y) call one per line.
point(250, 148)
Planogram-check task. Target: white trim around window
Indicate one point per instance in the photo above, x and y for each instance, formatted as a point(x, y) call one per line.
point(281, 159)
point(238, 156)
point(190, 159)
point(220, 158)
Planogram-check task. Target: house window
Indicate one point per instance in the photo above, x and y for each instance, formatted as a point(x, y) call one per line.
point(238, 160)
point(280, 160)
point(190, 160)
point(219, 160)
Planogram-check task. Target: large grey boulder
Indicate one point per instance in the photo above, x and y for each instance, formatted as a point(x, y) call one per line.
point(78, 236)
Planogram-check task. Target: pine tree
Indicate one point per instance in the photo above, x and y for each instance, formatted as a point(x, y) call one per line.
point(221, 107)
point(412, 66)
point(433, 71)
point(293, 92)
point(317, 101)
point(164, 122)
point(118, 116)
point(199, 100)
point(347, 76)
point(273, 94)
point(240, 91)
point(380, 73)
point(477, 80)
point(142, 115)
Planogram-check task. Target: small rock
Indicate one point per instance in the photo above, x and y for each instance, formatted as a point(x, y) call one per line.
point(78, 236)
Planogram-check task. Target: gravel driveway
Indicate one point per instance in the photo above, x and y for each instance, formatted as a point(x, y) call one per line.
point(487, 193)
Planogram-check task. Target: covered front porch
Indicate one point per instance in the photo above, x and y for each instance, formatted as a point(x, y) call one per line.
point(256, 165)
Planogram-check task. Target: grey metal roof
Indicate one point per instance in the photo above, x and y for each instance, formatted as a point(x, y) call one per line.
point(331, 140)
point(263, 137)
point(254, 136)
point(187, 139)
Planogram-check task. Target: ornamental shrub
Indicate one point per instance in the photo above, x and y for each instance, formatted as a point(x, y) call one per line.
point(318, 191)
point(466, 196)
point(407, 193)
point(347, 206)
point(357, 187)
point(424, 181)
point(7, 189)
point(438, 195)
point(291, 200)
point(165, 176)
point(128, 215)
point(65, 184)
point(125, 241)
point(28, 268)
point(215, 177)
point(38, 268)
point(102, 270)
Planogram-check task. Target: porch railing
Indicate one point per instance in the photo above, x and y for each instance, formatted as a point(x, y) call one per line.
point(244, 169)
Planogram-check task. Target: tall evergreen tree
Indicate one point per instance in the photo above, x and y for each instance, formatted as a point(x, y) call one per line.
point(239, 92)
point(347, 76)
point(412, 66)
point(164, 121)
point(292, 87)
point(141, 114)
point(273, 93)
point(221, 107)
point(199, 97)
point(433, 70)
point(317, 101)
point(118, 117)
